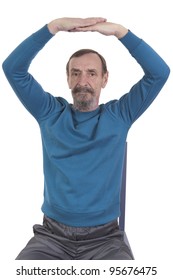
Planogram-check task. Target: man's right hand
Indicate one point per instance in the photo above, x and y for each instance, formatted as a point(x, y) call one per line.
point(68, 24)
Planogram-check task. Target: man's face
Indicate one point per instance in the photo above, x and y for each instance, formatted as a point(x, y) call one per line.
point(86, 79)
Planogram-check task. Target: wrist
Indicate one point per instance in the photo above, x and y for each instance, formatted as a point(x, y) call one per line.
point(52, 27)
point(121, 31)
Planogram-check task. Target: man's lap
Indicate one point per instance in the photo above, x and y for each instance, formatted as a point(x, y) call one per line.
point(55, 241)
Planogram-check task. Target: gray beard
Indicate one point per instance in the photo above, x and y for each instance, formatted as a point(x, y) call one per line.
point(81, 102)
point(83, 105)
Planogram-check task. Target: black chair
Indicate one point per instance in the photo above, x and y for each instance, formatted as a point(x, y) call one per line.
point(123, 200)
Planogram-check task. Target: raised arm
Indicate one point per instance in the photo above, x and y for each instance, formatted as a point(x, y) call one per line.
point(38, 102)
point(156, 71)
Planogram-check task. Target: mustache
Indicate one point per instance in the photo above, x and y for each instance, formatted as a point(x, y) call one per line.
point(82, 89)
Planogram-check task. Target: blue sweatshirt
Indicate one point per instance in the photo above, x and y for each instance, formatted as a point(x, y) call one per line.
point(83, 152)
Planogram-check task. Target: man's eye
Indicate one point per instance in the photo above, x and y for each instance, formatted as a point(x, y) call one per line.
point(92, 74)
point(75, 74)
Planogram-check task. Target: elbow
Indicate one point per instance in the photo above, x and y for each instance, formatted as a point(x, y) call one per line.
point(5, 67)
point(162, 75)
point(8, 68)
point(166, 73)
point(162, 78)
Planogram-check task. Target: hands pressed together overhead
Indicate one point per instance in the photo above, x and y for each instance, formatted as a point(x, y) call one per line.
point(97, 24)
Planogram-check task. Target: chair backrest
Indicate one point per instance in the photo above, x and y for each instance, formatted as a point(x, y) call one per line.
point(123, 202)
point(123, 193)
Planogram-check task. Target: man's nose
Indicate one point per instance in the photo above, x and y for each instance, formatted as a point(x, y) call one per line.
point(83, 80)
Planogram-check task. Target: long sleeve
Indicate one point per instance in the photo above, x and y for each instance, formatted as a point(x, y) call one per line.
point(131, 105)
point(38, 102)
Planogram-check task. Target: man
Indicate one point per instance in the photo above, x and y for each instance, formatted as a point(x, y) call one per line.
point(83, 143)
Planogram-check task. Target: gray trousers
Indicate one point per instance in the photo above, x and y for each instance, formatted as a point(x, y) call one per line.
point(56, 241)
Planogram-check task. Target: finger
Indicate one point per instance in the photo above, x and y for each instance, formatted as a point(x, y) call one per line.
point(85, 28)
point(97, 19)
point(92, 21)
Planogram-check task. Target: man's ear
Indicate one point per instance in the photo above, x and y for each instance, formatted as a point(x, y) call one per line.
point(105, 79)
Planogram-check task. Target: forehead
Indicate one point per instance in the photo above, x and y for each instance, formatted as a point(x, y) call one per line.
point(86, 61)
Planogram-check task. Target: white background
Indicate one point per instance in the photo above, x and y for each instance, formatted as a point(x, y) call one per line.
point(150, 141)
